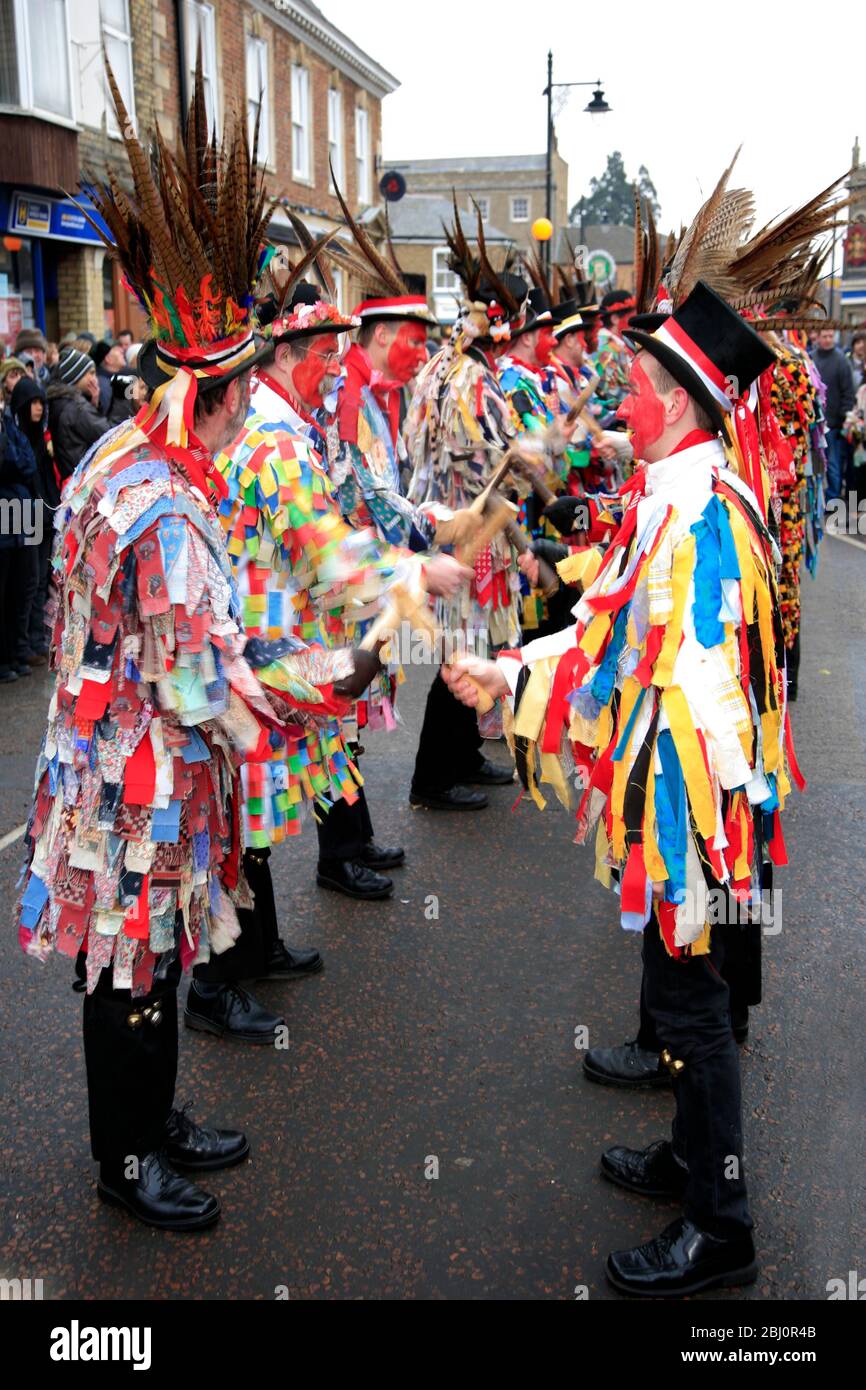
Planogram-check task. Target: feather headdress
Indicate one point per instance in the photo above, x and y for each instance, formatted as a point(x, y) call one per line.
point(190, 241)
point(494, 300)
point(387, 293)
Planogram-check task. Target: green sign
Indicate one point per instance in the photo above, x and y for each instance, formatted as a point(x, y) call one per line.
point(600, 267)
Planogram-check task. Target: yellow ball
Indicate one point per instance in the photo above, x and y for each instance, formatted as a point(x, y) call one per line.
point(542, 229)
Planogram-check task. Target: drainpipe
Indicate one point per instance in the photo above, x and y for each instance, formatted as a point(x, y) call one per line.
point(182, 65)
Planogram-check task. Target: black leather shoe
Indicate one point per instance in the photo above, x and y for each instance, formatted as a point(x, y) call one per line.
point(628, 1065)
point(290, 963)
point(231, 1013)
point(682, 1260)
point(653, 1172)
point(382, 856)
point(355, 880)
point(489, 775)
point(158, 1196)
point(192, 1147)
point(455, 799)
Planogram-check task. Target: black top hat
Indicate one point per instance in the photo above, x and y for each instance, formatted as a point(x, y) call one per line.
point(617, 302)
point(648, 323)
point(538, 313)
point(709, 349)
point(515, 284)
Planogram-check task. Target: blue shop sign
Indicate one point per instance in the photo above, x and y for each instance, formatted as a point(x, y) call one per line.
point(56, 218)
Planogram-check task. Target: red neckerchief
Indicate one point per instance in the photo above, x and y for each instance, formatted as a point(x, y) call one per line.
point(287, 396)
point(199, 466)
point(691, 439)
point(360, 373)
point(527, 366)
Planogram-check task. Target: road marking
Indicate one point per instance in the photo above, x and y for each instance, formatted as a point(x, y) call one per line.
point(13, 836)
point(849, 540)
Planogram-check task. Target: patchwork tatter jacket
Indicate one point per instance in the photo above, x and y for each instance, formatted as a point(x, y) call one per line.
point(662, 711)
point(134, 838)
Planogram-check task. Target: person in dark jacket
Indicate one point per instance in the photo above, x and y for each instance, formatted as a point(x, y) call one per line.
point(18, 492)
point(73, 418)
point(834, 370)
point(109, 359)
point(31, 416)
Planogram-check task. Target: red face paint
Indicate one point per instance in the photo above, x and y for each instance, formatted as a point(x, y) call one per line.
point(643, 411)
point(322, 360)
point(408, 352)
point(544, 347)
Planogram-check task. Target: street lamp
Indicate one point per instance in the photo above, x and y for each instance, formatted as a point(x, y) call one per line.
point(596, 107)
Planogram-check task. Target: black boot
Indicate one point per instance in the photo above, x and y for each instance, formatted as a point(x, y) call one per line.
point(454, 799)
point(355, 880)
point(489, 774)
point(683, 1260)
point(158, 1196)
point(653, 1172)
point(629, 1065)
point(291, 963)
point(231, 1012)
point(380, 857)
point(191, 1147)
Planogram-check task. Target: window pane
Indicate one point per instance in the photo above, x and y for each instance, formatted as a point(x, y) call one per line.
point(120, 57)
point(49, 56)
point(8, 55)
point(200, 28)
point(115, 13)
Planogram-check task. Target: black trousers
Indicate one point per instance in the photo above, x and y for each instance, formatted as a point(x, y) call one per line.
point(131, 1070)
point(260, 930)
point(8, 607)
point(449, 748)
point(344, 830)
point(38, 635)
point(740, 969)
point(689, 1002)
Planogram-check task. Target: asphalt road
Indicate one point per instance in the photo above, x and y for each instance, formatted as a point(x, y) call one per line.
point(440, 1039)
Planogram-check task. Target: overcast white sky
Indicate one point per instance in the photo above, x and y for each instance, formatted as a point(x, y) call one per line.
point(687, 83)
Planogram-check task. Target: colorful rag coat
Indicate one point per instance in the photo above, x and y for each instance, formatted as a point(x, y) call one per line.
point(362, 460)
point(612, 360)
point(302, 573)
point(134, 836)
point(458, 425)
point(664, 706)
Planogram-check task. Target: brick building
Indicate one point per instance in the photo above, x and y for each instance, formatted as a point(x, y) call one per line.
point(417, 222)
point(852, 295)
point(318, 92)
point(509, 189)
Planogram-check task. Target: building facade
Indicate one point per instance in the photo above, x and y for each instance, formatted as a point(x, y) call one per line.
point(510, 189)
point(852, 309)
point(316, 94)
point(416, 223)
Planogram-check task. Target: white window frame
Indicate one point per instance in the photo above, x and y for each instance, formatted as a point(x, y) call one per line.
point(25, 71)
point(302, 169)
point(262, 102)
point(124, 38)
point(521, 198)
point(484, 205)
point(336, 137)
point(201, 18)
point(363, 161)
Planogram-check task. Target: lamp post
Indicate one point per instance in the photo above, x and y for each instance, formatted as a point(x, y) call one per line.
point(597, 107)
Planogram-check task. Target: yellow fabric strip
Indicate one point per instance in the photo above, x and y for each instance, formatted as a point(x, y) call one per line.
point(529, 719)
point(745, 558)
point(580, 568)
point(602, 871)
point(595, 634)
point(688, 748)
point(684, 562)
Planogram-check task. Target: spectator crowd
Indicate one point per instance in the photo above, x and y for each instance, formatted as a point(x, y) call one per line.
point(57, 400)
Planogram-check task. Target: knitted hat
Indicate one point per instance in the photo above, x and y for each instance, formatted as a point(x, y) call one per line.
point(72, 366)
point(11, 364)
point(30, 338)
